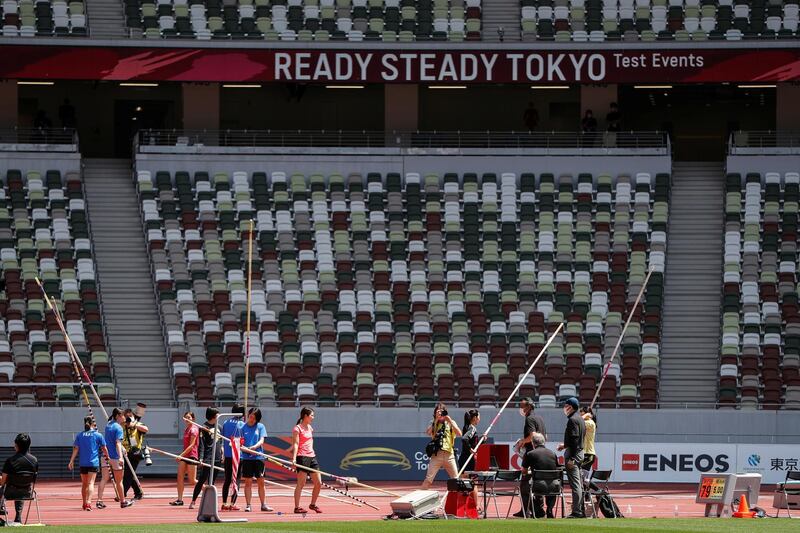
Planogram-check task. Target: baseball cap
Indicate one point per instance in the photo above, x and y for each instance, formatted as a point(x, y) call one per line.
point(572, 402)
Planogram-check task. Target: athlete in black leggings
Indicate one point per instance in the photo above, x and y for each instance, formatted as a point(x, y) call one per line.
point(205, 451)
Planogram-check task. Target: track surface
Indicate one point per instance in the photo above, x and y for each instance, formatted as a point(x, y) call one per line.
point(60, 503)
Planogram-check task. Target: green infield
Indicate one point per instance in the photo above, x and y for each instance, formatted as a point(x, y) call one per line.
point(664, 525)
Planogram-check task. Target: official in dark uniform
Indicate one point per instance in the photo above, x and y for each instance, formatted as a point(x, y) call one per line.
point(573, 454)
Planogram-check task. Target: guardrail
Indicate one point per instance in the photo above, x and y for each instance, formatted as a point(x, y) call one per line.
point(402, 139)
point(395, 404)
point(766, 141)
point(29, 136)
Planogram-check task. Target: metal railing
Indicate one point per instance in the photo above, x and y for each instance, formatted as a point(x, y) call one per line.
point(402, 139)
point(763, 140)
point(39, 136)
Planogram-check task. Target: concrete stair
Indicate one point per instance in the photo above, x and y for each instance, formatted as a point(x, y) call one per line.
point(106, 19)
point(497, 15)
point(133, 326)
point(693, 286)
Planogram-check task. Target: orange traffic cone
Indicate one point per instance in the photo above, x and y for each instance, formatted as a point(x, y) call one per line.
point(744, 511)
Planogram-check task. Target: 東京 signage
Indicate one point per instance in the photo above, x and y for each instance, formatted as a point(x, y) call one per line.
point(395, 65)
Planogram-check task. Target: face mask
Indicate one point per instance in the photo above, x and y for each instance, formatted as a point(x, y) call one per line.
point(522, 412)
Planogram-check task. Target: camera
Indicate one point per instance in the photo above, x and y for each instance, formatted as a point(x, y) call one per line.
point(444, 412)
point(148, 460)
point(129, 420)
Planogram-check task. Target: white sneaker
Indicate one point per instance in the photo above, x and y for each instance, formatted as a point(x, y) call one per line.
point(266, 508)
point(247, 509)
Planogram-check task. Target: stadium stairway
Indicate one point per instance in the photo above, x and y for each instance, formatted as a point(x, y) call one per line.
point(106, 19)
point(501, 14)
point(691, 331)
point(135, 339)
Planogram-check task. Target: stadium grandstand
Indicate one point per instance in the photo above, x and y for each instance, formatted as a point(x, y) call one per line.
point(381, 209)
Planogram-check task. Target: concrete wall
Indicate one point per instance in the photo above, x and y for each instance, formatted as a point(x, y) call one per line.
point(789, 162)
point(56, 426)
point(40, 161)
point(417, 160)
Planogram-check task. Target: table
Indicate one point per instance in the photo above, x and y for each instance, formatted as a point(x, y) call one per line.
point(484, 477)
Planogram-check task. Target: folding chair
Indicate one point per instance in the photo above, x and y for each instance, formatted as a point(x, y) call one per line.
point(548, 475)
point(602, 476)
point(23, 485)
point(511, 476)
point(789, 487)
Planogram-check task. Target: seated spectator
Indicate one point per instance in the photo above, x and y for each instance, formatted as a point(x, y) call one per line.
point(16, 481)
point(539, 458)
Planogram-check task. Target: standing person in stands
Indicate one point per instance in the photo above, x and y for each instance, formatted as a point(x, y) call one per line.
point(232, 429)
point(613, 118)
point(17, 465)
point(191, 442)
point(443, 430)
point(572, 446)
point(113, 436)
point(88, 446)
point(303, 458)
point(205, 451)
point(133, 442)
point(533, 424)
point(254, 434)
point(589, 455)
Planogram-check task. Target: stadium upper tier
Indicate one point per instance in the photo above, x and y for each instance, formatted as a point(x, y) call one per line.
point(27, 18)
point(390, 289)
point(417, 20)
point(309, 20)
point(662, 20)
point(760, 355)
point(44, 233)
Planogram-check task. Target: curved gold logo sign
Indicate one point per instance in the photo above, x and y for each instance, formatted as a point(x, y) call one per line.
point(375, 456)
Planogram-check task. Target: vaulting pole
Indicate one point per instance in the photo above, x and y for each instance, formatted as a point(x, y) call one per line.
point(293, 467)
point(82, 374)
point(511, 397)
point(621, 336)
point(269, 482)
point(249, 310)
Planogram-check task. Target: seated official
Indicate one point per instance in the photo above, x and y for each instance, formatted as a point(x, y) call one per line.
point(539, 458)
point(18, 471)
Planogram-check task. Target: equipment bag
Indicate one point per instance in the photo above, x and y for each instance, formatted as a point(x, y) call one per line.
point(608, 507)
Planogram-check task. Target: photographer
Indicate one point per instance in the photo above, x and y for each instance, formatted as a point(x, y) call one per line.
point(133, 443)
point(443, 431)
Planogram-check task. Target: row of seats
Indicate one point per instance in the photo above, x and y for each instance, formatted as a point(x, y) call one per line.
point(403, 289)
point(307, 20)
point(26, 18)
point(760, 352)
point(634, 20)
point(44, 234)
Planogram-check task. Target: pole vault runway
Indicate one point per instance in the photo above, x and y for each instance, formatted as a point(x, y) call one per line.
point(60, 504)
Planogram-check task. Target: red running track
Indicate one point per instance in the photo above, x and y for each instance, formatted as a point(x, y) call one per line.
point(60, 504)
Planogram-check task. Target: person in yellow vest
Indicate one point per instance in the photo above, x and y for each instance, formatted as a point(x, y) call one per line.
point(443, 431)
point(589, 454)
point(133, 442)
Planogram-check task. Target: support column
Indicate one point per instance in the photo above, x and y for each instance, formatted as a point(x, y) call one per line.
point(401, 107)
point(9, 104)
point(787, 112)
point(598, 98)
point(200, 106)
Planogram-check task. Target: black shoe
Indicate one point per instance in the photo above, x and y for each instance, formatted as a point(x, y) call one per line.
point(125, 504)
point(519, 514)
point(573, 515)
point(550, 515)
point(138, 496)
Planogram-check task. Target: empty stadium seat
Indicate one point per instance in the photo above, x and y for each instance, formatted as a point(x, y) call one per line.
point(44, 234)
point(400, 290)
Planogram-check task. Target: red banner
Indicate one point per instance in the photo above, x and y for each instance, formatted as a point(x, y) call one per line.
point(698, 65)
